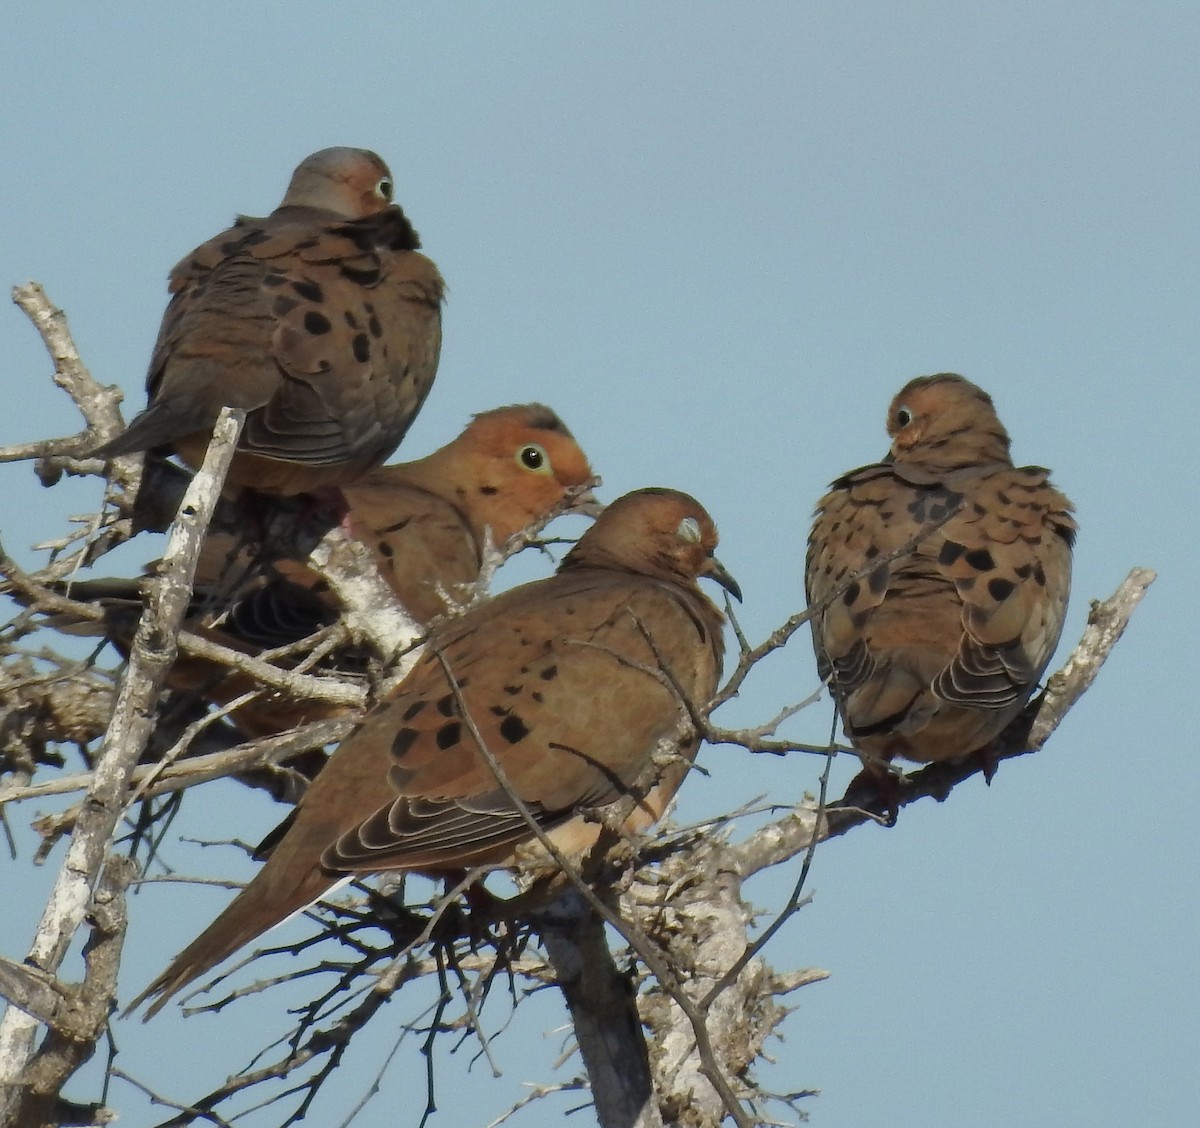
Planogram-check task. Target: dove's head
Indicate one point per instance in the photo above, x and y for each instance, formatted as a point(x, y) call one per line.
point(654, 532)
point(352, 183)
point(945, 421)
point(518, 465)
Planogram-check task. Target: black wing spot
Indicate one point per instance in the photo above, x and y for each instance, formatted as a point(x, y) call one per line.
point(951, 551)
point(980, 559)
point(1000, 589)
point(513, 729)
point(368, 277)
point(448, 735)
point(316, 323)
point(403, 741)
point(310, 291)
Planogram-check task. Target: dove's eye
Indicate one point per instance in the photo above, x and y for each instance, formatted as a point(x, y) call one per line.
point(384, 188)
point(903, 417)
point(534, 458)
point(689, 530)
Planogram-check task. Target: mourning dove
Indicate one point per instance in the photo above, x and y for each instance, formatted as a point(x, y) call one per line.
point(570, 681)
point(933, 653)
point(426, 522)
point(322, 321)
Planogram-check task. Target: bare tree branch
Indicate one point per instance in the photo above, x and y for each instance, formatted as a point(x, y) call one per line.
point(99, 405)
point(154, 650)
point(78, 1015)
point(602, 1004)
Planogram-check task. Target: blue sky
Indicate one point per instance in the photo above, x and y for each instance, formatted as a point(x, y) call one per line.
point(717, 239)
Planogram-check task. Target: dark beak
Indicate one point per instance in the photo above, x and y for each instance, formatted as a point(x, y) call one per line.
point(715, 570)
point(586, 502)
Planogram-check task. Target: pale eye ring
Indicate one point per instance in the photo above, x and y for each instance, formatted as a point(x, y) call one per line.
point(903, 417)
point(384, 188)
point(533, 457)
point(689, 530)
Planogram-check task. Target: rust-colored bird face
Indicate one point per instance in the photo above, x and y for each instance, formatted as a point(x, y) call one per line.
point(522, 461)
point(351, 182)
point(510, 467)
point(932, 417)
point(655, 532)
